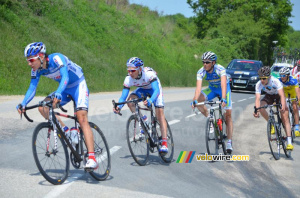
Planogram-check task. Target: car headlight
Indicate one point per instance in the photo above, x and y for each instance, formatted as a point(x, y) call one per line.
point(254, 78)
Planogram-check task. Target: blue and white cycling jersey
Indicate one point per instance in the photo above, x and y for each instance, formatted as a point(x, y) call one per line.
point(60, 69)
point(214, 78)
point(148, 84)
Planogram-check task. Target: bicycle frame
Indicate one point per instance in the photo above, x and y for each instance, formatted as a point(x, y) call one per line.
point(57, 128)
point(153, 118)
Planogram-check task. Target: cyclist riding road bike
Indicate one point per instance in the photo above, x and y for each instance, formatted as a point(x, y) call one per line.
point(291, 87)
point(145, 78)
point(71, 80)
point(274, 92)
point(219, 86)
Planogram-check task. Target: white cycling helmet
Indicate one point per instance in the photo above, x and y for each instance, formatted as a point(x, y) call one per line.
point(284, 71)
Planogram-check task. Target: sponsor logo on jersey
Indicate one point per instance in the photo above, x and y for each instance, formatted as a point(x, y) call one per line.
point(58, 61)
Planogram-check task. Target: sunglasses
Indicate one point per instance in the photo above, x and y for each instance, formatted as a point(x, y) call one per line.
point(282, 76)
point(206, 62)
point(32, 59)
point(131, 70)
point(263, 78)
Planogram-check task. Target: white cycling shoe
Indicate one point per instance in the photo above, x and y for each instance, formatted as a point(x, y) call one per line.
point(91, 164)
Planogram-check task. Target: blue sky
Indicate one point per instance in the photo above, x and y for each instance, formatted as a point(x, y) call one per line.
point(180, 6)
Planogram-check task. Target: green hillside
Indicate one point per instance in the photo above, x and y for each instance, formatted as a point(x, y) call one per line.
point(98, 37)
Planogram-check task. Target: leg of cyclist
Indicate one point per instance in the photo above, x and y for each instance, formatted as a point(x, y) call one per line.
point(296, 116)
point(80, 94)
point(163, 128)
point(287, 126)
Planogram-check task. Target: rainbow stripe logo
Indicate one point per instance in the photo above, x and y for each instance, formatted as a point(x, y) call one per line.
point(185, 157)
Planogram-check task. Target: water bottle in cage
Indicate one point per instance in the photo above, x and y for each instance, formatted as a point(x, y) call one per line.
point(74, 136)
point(148, 125)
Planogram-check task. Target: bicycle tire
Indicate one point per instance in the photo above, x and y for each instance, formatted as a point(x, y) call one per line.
point(292, 122)
point(211, 139)
point(138, 143)
point(102, 154)
point(273, 140)
point(169, 156)
point(283, 142)
point(53, 165)
point(222, 139)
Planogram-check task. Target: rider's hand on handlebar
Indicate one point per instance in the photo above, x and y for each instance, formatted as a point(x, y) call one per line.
point(256, 115)
point(148, 102)
point(56, 99)
point(224, 102)
point(116, 110)
point(193, 104)
point(20, 108)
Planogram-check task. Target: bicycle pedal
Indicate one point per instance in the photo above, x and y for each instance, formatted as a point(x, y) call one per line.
point(89, 170)
point(229, 151)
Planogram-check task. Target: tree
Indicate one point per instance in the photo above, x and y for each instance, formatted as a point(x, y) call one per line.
point(273, 14)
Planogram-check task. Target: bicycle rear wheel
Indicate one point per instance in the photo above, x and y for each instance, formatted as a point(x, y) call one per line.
point(168, 156)
point(211, 138)
point(137, 142)
point(273, 140)
point(52, 162)
point(102, 154)
point(283, 142)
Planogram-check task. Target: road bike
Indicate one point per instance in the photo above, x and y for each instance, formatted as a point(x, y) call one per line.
point(215, 134)
point(142, 136)
point(277, 140)
point(291, 115)
point(49, 147)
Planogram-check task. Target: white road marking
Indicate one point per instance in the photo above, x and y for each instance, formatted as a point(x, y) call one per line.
point(241, 100)
point(251, 97)
point(174, 122)
point(60, 189)
point(190, 115)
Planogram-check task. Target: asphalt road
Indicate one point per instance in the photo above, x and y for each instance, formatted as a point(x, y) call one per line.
point(262, 176)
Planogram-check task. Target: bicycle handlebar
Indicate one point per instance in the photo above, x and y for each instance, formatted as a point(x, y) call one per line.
point(266, 106)
point(135, 100)
point(41, 104)
point(208, 102)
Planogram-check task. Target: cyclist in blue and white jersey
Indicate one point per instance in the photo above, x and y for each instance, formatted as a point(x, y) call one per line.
point(148, 84)
point(274, 92)
point(71, 82)
point(219, 86)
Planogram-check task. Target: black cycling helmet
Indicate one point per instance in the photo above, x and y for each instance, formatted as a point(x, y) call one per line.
point(264, 71)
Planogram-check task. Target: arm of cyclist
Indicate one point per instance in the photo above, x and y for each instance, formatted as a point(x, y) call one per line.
point(197, 93)
point(156, 92)
point(224, 90)
point(123, 97)
point(62, 85)
point(282, 99)
point(257, 104)
point(29, 95)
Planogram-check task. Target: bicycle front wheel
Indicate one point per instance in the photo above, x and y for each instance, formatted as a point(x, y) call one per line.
point(292, 122)
point(168, 156)
point(137, 142)
point(50, 154)
point(102, 154)
point(211, 138)
point(273, 139)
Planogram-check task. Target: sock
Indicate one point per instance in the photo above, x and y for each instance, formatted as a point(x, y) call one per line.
point(164, 142)
point(66, 129)
point(297, 127)
point(289, 140)
point(92, 156)
point(229, 141)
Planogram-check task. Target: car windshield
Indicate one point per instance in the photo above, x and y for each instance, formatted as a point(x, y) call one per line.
point(244, 65)
point(275, 69)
